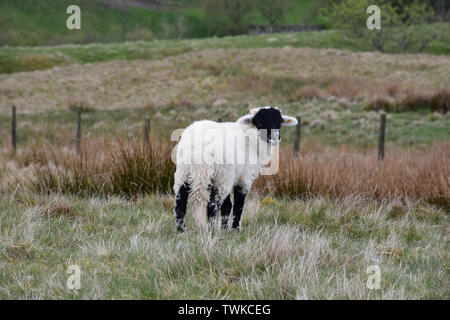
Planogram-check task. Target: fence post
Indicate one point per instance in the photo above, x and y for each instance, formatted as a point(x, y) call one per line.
point(78, 136)
point(147, 131)
point(13, 129)
point(381, 137)
point(297, 136)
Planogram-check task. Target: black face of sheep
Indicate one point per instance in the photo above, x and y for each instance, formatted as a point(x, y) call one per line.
point(269, 121)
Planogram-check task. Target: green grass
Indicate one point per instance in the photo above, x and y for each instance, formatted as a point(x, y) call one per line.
point(34, 23)
point(314, 249)
point(13, 59)
point(323, 121)
point(31, 23)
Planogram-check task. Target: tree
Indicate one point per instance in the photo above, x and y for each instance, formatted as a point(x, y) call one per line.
point(400, 24)
point(273, 10)
point(228, 16)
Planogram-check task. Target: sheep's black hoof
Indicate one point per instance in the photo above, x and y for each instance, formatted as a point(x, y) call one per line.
point(236, 228)
point(181, 225)
point(224, 224)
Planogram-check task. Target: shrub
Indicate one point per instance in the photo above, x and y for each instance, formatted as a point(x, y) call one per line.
point(225, 17)
point(400, 25)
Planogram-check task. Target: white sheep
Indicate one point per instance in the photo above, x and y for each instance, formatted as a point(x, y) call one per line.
point(215, 158)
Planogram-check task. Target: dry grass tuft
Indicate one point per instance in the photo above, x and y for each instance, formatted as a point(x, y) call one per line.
point(255, 83)
point(125, 169)
point(403, 174)
point(130, 169)
point(308, 93)
point(438, 101)
point(378, 103)
point(75, 105)
point(59, 210)
point(344, 87)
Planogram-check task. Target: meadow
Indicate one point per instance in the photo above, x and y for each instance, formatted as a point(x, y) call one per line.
point(309, 232)
point(41, 24)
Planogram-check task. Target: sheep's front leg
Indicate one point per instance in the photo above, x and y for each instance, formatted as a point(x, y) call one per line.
point(239, 199)
point(180, 206)
point(225, 211)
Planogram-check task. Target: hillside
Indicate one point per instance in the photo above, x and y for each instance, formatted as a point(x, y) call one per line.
point(16, 59)
point(42, 23)
point(33, 23)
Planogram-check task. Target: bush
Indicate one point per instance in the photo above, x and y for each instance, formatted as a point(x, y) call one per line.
point(400, 25)
point(224, 17)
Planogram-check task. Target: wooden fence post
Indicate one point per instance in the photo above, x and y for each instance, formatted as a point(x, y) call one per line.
point(13, 129)
point(297, 136)
point(78, 136)
point(147, 131)
point(382, 136)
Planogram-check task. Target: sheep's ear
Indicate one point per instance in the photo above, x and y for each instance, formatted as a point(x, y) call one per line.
point(254, 111)
point(289, 121)
point(247, 119)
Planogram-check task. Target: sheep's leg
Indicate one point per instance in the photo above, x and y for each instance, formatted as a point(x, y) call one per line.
point(239, 199)
point(225, 211)
point(213, 205)
point(180, 206)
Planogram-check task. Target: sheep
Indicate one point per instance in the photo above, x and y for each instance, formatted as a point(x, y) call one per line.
point(213, 159)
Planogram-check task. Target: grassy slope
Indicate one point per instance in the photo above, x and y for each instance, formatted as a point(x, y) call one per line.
point(357, 129)
point(13, 59)
point(314, 249)
point(42, 22)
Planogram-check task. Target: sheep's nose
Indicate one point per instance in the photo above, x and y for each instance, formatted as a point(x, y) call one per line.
point(276, 135)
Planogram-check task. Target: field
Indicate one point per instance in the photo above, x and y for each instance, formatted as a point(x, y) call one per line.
point(309, 232)
point(31, 24)
point(314, 249)
point(15, 59)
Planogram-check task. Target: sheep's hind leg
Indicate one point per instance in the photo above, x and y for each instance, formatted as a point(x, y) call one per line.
point(213, 205)
point(180, 206)
point(239, 199)
point(225, 211)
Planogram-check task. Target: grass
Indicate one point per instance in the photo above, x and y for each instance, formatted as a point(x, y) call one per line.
point(314, 249)
point(308, 233)
point(14, 59)
point(323, 122)
point(128, 169)
point(336, 173)
point(240, 76)
point(28, 23)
